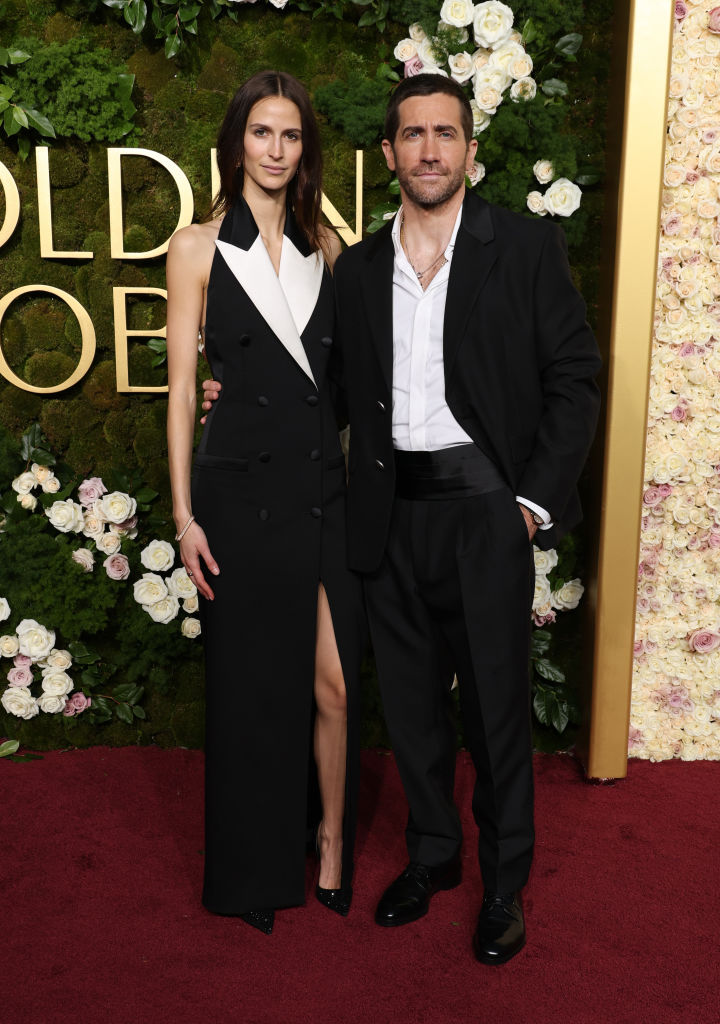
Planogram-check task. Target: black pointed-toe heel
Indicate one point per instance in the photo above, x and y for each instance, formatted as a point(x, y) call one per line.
point(263, 920)
point(338, 900)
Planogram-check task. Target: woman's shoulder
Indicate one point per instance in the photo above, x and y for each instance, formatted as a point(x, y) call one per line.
point(330, 244)
point(196, 240)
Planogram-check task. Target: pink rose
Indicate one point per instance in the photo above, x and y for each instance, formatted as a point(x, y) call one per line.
point(672, 224)
point(688, 349)
point(21, 676)
point(117, 567)
point(650, 646)
point(544, 620)
point(90, 490)
point(680, 9)
point(679, 413)
point(76, 704)
point(691, 177)
point(714, 539)
point(638, 648)
point(21, 661)
point(635, 737)
point(665, 489)
point(703, 641)
point(714, 20)
point(709, 135)
point(413, 67)
point(652, 496)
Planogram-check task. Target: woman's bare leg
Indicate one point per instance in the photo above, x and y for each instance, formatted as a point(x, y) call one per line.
point(330, 744)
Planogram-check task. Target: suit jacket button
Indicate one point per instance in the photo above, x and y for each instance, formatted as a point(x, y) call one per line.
point(327, 342)
point(315, 454)
point(379, 464)
point(244, 340)
point(264, 456)
point(312, 399)
point(263, 514)
point(381, 406)
point(316, 513)
point(262, 400)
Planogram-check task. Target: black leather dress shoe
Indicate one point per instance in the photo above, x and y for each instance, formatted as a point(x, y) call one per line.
point(408, 898)
point(500, 932)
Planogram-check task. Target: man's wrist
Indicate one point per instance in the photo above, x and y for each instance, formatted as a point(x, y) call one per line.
point(535, 516)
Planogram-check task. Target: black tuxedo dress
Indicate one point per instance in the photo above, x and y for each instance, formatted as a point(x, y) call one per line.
point(268, 488)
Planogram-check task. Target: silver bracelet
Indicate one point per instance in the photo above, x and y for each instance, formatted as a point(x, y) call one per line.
point(185, 528)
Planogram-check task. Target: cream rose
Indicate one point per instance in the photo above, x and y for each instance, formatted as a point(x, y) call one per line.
point(163, 610)
point(108, 543)
point(117, 567)
point(35, 640)
point(476, 172)
point(190, 628)
point(545, 561)
point(488, 99)
point(417, 32)
point(93, 524)
point(180, 585)
point(66, 516)
point(52, 704)
point(427, 55)
point(562, 198)
point(524, 89)
point(481, 119)
point(405, 50)
point(542, 595)
point(55, 682)
point(10, 645)
point(158, 556)
point(57, 658)
point(568, 596)
point(149, 589)
point(4, 609)
point(85, 558)
point(543, 171)
point(190, 605)
point(18, 701)
point(481, 58)
point(457, 12)
point(536, 203)
point(24, 483)
point(51, 485)
point(492, 23)
point(520, 66)
point(27, 501)
point(461, 67)
point(117, 507)
point(41, 473)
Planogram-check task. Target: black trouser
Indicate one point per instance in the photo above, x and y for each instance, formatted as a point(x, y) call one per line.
point(453, 596)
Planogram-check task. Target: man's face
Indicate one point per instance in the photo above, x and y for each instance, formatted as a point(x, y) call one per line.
point(429, 154)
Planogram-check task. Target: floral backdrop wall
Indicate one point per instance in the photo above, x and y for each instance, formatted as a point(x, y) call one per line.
point(676, 686)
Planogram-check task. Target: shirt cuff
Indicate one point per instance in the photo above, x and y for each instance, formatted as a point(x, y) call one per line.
point(543, 513)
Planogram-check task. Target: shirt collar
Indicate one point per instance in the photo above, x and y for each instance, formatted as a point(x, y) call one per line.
point(397, 224)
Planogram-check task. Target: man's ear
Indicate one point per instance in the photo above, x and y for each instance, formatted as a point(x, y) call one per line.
point(389, 155)
point(471, 151)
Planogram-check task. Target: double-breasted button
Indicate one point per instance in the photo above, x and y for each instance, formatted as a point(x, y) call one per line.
point(381, 406)
point(315, 454)
point(264, 456)
point(263, 400)
point(327, 342)
point(244, 340)
point(316, 513)
point(263, 514)
point(312, 399)
point(379, 464)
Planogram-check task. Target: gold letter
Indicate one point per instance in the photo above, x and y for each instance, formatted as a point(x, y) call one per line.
point(88, 339)
point(122, 371)
point(12, 204)
point(116, 209)
point(47, 251)
point(336, 221)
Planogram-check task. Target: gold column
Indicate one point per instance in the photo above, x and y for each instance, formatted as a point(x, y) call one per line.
point(641, 154)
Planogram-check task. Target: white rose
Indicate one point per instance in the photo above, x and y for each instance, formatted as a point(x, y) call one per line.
point(24, 483)
point(481, 119)
point(543, 171)
point(488, 99)
point(109, 542)
point(190, 605)
point(524, 89)
point(568, 596)
point(180, 584)
point(18, 701)
point(57, 658)
point(51, 485)
point(520, 66)
point(426, 54)
point(536, 203)
point(66, 516)
point(405, 50)
point(417, 32)
point(190, 628)
point(457, 12)
point(10, 646)
point(150, 589)
point(4, 609)
point(51, 703)
point(481, 58)
point(85, 558)
point(476, 172)
point(55, 682)
point(163, 610)
point(562, 198)
point(27, 501)
point(492, 23)
point(41, 473)
point(493, 78)
point(158, 556)
point(461, 67)
point(542, 595)
point(544, 560)
point(93, 524)
point(117, 507)
point(35, 640)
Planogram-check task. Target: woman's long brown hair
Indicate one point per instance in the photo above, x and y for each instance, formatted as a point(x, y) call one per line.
point(305, 189)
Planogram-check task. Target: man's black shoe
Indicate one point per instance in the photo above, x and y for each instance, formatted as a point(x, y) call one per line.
point(408, 898)
point(500, 932)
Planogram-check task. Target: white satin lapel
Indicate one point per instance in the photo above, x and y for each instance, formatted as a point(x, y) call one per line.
point(254, 270)
point(301, 279)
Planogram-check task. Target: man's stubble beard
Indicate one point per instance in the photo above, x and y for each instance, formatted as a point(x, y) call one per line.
point(419, 193)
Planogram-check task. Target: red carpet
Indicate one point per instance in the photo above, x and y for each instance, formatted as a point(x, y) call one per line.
point(100, 866)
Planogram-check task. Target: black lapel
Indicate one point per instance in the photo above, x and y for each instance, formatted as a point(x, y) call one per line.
point(238, 226)
point(377, 286)
point(473, 258)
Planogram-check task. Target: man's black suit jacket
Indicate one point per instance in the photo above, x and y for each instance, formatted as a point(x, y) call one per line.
point(520, 362)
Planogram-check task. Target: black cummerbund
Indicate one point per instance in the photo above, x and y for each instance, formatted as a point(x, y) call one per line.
point(458, 472)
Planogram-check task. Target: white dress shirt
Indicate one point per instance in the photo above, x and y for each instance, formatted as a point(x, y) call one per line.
point(421, 418)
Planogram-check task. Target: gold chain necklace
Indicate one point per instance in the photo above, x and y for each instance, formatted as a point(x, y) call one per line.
point(420, 273)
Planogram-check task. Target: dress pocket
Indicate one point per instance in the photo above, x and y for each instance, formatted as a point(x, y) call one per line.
point(205, 461)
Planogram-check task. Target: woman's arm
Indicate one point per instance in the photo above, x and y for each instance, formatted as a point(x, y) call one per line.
point(188, 265)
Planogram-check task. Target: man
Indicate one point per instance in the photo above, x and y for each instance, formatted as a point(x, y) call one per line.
point(468, 370)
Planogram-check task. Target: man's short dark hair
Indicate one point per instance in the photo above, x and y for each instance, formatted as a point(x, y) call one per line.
point(427, 85)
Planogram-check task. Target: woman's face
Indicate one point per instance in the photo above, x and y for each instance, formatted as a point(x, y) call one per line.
point(273, 143)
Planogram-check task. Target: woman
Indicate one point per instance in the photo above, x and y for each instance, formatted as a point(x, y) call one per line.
point(261, 528)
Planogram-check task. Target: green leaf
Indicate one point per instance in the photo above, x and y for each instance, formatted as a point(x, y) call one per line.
point(529, 32)
point(173, 45)
point(103, 705)
point(554, 87)
point(6, 92)
point(139, 712)
point(18, 56)
point(39, 121)
point(540, 641)
point(9, 747)
point(129, 693)
point(157, 344)
point(42, 457)
point(145, 494)
point(368, 18)
point(124, 713)
point(588, 175)
point(81, 654)
point(379, 211)
point(32, 438)
point(394, 187)
point(24, 147)
point(569, 44)
point(547, 670)
point(135, 14)
point(189, 11)
point(4, 57)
